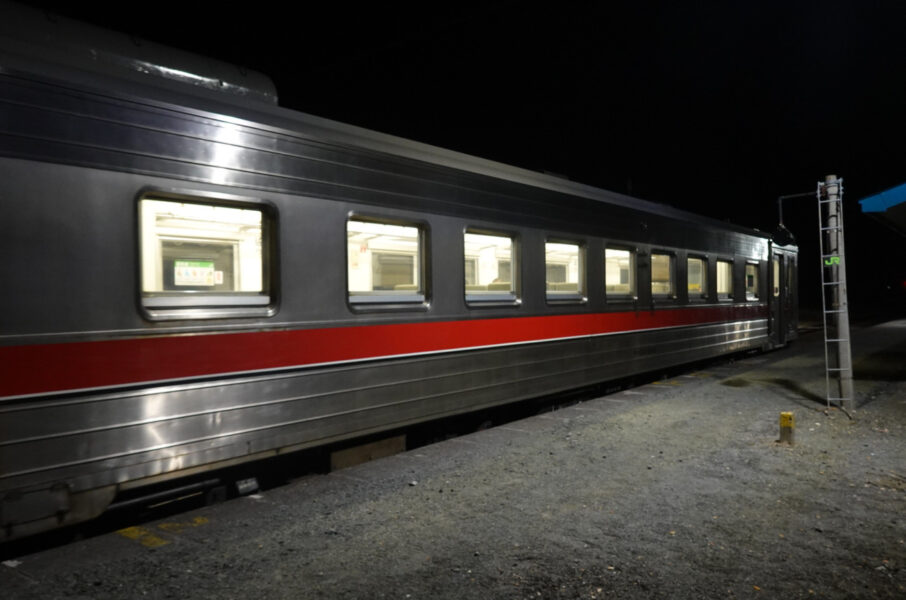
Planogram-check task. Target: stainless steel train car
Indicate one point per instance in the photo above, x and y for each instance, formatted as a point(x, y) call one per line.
point(193, 277)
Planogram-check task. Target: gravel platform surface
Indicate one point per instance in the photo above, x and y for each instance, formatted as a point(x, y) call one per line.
point(675, 489)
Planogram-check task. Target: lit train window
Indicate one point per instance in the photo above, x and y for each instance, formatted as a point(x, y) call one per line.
point(751, 281)
point(384, 262)
point(776, 277)
point(724, 279)
point(619, 273)
point(489, 268)
point(663, 277)
point(697, 278)
point(563, 267)
point(202, 260)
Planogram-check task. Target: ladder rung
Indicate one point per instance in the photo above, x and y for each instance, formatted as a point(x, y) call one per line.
point(833, 283)
point(838, 399)
point(832, 312)
point(830, 255)
point(838, 369)
point(829, 201)
point(837, 340)
point(835, 228)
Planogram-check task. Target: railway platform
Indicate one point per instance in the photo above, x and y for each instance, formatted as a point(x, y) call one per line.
point(677, 488)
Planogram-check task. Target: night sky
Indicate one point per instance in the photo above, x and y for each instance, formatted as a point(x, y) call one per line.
point(715, 107)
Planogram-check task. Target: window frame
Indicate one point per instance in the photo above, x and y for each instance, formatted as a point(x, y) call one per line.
point(662, 296)
point(756, 296)
point(568, 296)
point(705, 293)
point(172, 305)
point(725, 296)
point(633, 294)
point(375, 300)
point(775, 276)
point(512, 297)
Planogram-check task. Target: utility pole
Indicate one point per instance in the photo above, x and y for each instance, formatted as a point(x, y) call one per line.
point(835, 310)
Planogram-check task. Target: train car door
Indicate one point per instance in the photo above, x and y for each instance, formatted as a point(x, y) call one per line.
point(784, 297)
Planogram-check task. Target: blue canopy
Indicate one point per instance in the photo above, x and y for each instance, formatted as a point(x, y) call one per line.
point(881, 202)
point(889, 206)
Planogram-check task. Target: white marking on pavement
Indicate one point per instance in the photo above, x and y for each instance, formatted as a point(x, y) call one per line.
point(513, 429)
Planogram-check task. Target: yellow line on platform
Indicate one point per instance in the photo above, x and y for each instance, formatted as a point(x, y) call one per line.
point(149, 539)
point(143, 536)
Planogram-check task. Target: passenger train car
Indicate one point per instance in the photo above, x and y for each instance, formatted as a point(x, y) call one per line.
point(194, 277)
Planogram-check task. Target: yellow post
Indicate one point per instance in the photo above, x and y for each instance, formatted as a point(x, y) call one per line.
point(787, 427)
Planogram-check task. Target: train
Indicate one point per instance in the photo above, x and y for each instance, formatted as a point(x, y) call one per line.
point(195, 277)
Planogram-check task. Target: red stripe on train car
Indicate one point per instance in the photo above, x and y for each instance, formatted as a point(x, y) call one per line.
point(44, 368)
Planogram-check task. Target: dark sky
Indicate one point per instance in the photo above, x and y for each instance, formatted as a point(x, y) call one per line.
point(717, 107)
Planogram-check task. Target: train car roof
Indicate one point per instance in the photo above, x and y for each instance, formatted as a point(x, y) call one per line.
point(34, 42)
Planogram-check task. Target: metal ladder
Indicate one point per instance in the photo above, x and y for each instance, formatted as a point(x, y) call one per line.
point(837, 350)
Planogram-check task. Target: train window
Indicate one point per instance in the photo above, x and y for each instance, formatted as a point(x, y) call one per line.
point(663, 276)
point(697, 278)
point(384, 262)
point(776, 278)
point(790, 270)
point(563, 266)
point(489, 268)
point(724, 279)
point(751, 281)
point(619, 273)
point(203, 260)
